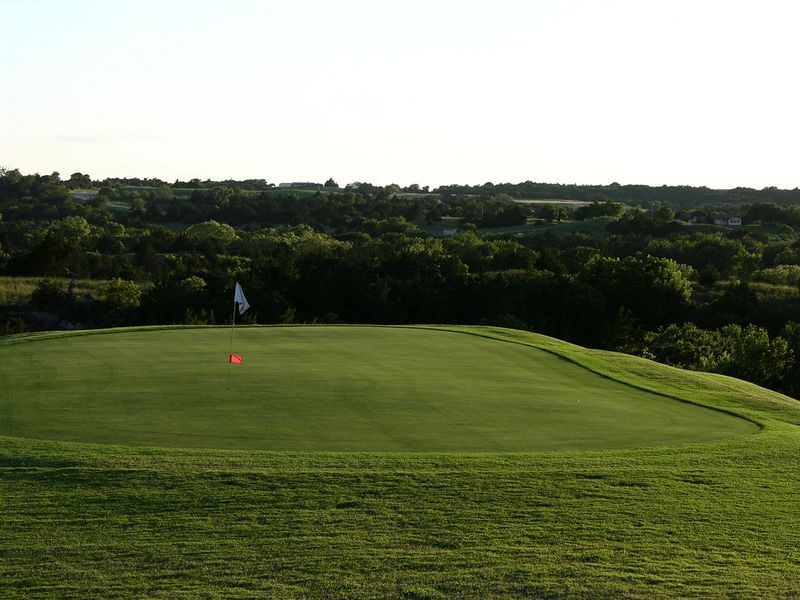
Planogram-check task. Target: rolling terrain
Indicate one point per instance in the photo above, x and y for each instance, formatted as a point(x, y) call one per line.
point(332, 389)
point(97, 503)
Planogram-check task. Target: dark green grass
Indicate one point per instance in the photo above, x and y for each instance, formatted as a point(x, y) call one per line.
point(331, 388)
point(719, 519)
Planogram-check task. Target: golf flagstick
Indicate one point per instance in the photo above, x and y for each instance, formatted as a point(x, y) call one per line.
point(230, 349)
point(241, 301)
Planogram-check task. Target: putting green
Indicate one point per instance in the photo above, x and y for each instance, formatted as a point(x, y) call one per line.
point(331, 389)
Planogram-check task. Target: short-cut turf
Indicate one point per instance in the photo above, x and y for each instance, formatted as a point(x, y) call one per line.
point(700, 520)
point(332, 389)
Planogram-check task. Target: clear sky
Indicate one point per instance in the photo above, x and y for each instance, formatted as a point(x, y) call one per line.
point(700, 92)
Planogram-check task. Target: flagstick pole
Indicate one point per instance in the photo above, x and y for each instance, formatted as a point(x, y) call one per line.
point(230, 351)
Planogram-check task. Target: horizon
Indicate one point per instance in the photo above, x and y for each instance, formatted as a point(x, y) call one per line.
point(676, 94)
point(342, 185)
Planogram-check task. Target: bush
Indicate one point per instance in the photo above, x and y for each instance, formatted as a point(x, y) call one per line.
point(744, 352)
point(122, 295)
point(49, 295)
point(780, 275)
point(12, 326)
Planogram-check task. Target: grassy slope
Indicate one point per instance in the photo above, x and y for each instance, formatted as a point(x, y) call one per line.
point(704, 520)
point(331, 388)
point(18, 290)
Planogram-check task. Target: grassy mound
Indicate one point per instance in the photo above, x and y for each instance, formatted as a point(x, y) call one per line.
point(332, 388)
point(714, 519)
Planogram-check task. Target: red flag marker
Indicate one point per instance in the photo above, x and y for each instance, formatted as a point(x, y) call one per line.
point(236, 359)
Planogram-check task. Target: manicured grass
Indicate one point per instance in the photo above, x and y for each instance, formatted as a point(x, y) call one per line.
point(716, 519)
point(331, 388)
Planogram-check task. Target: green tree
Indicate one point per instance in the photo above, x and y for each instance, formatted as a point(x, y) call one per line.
point(599, 209)
point(4, 257)
point(766, 213)
point(49, 295)
point(664, 214)
point(687, 346)
point(755, 357)
point(211, 230)
point(72, 228)
point(59, 249)
point(122, 295)
point(79, 181)
point(656, 290)
point(551, 212)
point(791, 333)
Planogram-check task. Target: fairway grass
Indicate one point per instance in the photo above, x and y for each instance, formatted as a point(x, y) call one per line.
point(332, 389)
point(703, 518)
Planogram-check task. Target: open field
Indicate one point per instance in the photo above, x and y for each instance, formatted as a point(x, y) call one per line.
point(18, 290)
point(690, 519)
point(597, 227)
point(187, 192)
point(569, 203)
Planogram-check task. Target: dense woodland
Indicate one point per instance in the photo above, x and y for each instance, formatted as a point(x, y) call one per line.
point(639, 269)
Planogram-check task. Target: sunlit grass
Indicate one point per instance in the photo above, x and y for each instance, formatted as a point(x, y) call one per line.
point(18, 290)
point(700, 520)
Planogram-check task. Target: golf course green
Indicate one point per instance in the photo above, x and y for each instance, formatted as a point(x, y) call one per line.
point(332, 389)
point(386, 462)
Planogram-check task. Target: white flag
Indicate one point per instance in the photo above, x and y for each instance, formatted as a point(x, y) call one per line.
point(238, 298)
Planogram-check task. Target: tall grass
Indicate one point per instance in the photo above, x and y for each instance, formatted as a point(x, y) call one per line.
point(18, 290)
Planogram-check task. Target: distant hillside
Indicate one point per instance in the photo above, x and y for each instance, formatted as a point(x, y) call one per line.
point(637, 195)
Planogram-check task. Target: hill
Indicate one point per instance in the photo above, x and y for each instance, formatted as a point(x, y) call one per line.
point(708, 519)
point(332, 388)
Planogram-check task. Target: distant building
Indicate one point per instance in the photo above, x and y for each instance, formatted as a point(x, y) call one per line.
point(725, 220)
point(84, 195)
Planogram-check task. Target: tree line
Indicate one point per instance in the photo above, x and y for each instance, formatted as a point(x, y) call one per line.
point(719, 300)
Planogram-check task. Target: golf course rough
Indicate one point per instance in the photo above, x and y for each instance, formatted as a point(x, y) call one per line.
point(333, 388)
point(711, 519)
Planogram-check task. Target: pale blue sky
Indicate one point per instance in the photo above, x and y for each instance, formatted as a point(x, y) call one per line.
point(701, 92)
